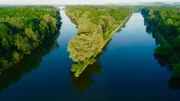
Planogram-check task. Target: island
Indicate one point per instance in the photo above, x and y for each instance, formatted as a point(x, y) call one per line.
point(96, 25)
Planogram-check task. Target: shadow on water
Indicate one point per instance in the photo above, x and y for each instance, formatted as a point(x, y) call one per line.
point(163, 61)
point(84, 81)
point(28, 63)
point(174, 82)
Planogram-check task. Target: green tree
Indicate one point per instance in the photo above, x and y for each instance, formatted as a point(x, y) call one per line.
point(5, 43)
point(81, 48)
point(16, 57)
point(20, 33)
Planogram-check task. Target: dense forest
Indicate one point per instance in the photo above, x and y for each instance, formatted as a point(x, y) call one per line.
point(164, 23)
point(24, 28)
point(29, 63)
point(96, 25)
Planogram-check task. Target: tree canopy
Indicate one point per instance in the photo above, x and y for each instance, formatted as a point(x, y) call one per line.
point(23, 28)
point(164, 23)
point(95, 27)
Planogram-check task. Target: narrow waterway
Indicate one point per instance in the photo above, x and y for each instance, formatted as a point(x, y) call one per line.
point(126, 70)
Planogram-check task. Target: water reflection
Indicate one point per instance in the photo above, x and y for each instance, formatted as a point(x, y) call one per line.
point(84, 81)
point(174, 83)
point(28, 63)
point(164, 61)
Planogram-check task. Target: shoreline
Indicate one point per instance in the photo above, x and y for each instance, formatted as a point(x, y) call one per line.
point(77, 74)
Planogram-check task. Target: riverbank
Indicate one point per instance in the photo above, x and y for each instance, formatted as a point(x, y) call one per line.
point(165, 49)
point(20, 37)
point(173, 58)
point(86, 63)
point(126, 69)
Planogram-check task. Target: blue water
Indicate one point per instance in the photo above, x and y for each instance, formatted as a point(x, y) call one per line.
point(126, 70)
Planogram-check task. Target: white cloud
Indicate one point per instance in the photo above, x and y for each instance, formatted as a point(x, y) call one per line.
point(75, 1)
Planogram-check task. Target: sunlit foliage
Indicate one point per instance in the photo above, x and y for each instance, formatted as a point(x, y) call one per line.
point(165, 21)
point(95, 26)
point(23, 28)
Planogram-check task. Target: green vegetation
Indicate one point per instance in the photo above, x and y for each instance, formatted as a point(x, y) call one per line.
point(22, 29)
point(96, 25)
point(29, 63)
point(164, 23)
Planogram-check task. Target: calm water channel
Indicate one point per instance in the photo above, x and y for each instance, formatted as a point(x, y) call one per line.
point(126, 70)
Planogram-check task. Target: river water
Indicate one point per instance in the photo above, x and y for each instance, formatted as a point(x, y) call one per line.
point(126, 70)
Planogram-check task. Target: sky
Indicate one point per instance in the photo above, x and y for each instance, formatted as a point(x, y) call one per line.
point(77, 1)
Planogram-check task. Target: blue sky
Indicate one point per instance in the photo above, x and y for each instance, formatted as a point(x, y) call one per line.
point(75, 1)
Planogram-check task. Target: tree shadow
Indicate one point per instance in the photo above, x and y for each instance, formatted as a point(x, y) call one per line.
point(85, 80)
point(28, 63)
point(174, 83)
point(164, 61)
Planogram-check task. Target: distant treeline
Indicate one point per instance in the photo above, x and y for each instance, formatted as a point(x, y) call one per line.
point(164, 22)
point(96, 25)
point(24, 28)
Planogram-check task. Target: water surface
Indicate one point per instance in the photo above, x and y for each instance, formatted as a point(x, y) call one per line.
point(126, 70)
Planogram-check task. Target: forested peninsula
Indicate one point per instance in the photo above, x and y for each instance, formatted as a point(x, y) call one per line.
point(24, 28)
point(164, 24)
point(96, 25)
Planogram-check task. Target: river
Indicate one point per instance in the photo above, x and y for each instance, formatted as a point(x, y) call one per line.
point(126, 70)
